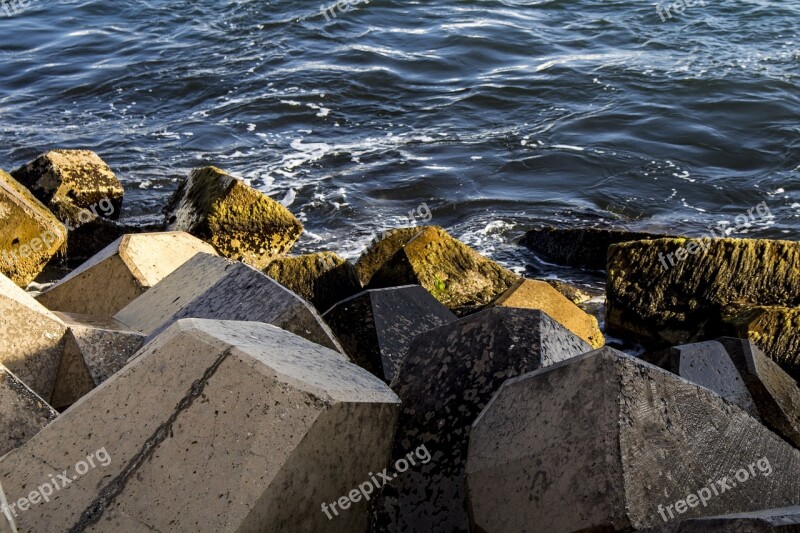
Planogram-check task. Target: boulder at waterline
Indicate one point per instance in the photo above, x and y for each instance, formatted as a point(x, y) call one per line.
point(122, 272)
point(23, 413)
point(239, 221)
point(606, 440)
point(271, 418)
point(208, 286)
point(377, 326)
point(380, 251)
point(448, 376)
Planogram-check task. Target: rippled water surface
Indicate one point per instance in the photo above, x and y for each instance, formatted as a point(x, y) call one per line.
point(498, 115)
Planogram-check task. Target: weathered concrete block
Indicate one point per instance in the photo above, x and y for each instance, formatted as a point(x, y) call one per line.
point(774, 329)
point(31, 339)
point(122, 272)
point(455, 274)
point(30, 234)
point(214, 426)
point(377, 326)
point(239, 221)
point(650, 298)
point(95, 349)
point(606, 440)
point(322, 278)
point(449, 375)
point(389, 243)
point(208, 286)
point(7, 523)
point(22, 412)
point(534, 294)
point(786, 520)
point(69, 179)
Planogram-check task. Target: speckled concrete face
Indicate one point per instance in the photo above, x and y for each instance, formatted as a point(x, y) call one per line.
point(605, 439)
point(215, 426)
point(213, 287)
point(121, 272)
point(449, 375)
point(784, 520)
point(22, 412)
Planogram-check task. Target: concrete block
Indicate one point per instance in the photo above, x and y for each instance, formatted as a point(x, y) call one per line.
point(122, 272)
point(786, 520)
point(7, 524)
point(215, 426)
point(380, 251)
point(23, 413)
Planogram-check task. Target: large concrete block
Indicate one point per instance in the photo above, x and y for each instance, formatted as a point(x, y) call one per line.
point(22, 412)
point(239, 221)
point(31, 338)
point(449, 375)
point(29, 233)
point(95, 349)
point(214, 426)
point(786, 520)
point(534, 294)
point(605, 440)
point(122, 272)
point(7, 524)
point(208, 286)
point(377, 326)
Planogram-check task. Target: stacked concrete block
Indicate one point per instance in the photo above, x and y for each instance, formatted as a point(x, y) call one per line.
point(23, 413)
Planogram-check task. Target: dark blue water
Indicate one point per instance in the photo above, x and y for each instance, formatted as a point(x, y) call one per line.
point(498, 115)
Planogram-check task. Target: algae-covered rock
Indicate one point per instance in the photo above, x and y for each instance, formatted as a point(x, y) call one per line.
point(533, 294)
point(455, 274)
point(239, 221)
point(579, 247)
point(673, 290)
point(776, 330)
point(322, 278)
point(29, 233)
point(68, 179)
point(382, 250)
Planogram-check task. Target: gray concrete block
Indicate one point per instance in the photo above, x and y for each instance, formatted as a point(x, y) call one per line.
point(23, 413)
point(786, 520)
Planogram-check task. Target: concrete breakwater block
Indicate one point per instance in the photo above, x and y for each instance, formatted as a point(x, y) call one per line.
point(7, 523)
point(450, 374)
point(377, 326)
point(605, 440)
point(31, 338)
point(208, 286)
point(95, 349)
point(786, 520)
point(380, 251)
point(30, 234)
point(322, 278)
point(239, 221)
point(534, 294)
point(23, 413)
point(455, 274)
point(121, 272)
point(215, 426)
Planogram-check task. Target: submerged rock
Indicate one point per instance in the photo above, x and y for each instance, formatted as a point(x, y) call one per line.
point(389, 243)
point(322, 278)
point(22, 412)
point(455, 274)
point(606, 441)
point(30, 234)
point(239, 221)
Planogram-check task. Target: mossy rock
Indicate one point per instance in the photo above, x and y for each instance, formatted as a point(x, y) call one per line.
point(322, 278)
point(676, 301)
point(455, 274)
point(382, 250)
point(239, 221)
point(29, 233)
point(79, 178)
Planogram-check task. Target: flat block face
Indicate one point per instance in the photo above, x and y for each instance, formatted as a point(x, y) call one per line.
point(449, 375)
point(31, 339)
point(786, 520)
point(22, 413)
point(31, 235)
point(212, 287)
point(204, 401)
point(614, 461)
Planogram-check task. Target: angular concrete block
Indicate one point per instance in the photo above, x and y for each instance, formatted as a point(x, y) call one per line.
point(322, 278)
point(215, 426)
point(30, 234)
point(388, 244)
point(31, 338)
point(786, 520)
point(7, 523)
point(534, 294)
point(449, 375)
point(606, 440)
point(377, 326)
point(96, 348)
point(208, 286)
point(122, 272)
point(239, 221)
point(23, 413)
